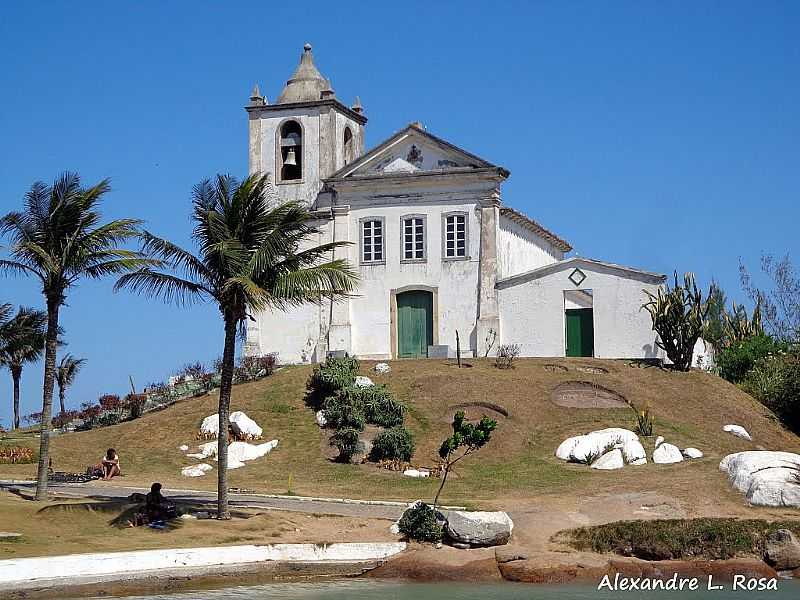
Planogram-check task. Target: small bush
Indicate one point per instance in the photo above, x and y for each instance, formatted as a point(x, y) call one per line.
point(109, 402)
point(345, 409)
point(17, 455)
point(396, 443)
point(775, 382)
point(106, 419)
point(735, 361)
point(380, 407)
point(506, 355)
point(419, 523)
point(644, 422)
point(327, 379)
point(63, 419)
point(346, 441)
point(33, 418)
point(252, 367)
point(134, 404)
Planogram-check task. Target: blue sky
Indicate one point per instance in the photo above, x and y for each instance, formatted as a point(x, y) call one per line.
point(662, 135)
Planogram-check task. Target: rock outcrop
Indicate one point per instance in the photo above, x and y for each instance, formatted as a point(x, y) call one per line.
point(782, 551)
point(609, 461)
point(577, 448)
point(766, 478)
point(738, 431)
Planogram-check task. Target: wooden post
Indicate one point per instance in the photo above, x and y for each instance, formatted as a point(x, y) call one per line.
point(458, 349)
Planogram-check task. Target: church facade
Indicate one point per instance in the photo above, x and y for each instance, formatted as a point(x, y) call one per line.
point(438, 252)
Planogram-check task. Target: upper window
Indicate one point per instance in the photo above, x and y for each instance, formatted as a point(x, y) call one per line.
point(413, 237)
point(290, 153)
point(348, 146)
point(372, 240)
point(455, 235)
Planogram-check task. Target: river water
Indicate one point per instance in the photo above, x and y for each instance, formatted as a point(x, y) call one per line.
point(379, 590)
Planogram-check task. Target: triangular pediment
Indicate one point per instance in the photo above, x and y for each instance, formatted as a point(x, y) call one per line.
point(412, 150)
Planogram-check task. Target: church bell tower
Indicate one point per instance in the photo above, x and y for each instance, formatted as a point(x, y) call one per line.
point(306, 135)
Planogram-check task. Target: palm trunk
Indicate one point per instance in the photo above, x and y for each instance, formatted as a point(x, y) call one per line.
point(16, 373)
point(61, 394)
point(47, 397)
point(226, 383)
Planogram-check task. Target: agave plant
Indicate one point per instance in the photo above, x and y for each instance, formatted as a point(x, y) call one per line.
point(737, 327)
point(679, 316)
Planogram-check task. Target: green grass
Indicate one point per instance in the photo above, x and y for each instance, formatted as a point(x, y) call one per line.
point(712, 539)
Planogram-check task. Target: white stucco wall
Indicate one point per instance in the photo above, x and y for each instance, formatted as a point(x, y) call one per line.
point(532, 313)
point(520, 250)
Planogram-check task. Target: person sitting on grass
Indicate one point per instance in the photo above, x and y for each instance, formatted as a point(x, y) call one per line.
point(157, 507)
point(110, 465)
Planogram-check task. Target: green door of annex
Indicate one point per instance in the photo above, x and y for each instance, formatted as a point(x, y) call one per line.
point(414, 323)
point(580, 332)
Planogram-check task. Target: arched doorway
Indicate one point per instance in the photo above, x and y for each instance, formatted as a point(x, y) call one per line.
point(414, 323)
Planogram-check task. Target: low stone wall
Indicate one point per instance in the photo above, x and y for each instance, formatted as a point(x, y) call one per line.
point(58, 570)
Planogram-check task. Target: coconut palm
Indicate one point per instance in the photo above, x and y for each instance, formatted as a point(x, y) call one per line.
point(249, 258)
point(58, 238)
point(66, 372)
point(21, 342)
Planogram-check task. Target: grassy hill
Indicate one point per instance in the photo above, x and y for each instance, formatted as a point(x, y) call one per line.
point(690, 410)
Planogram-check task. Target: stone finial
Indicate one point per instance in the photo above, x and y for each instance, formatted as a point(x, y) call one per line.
point(256, 99)
point(307, 47)
point(357, 108)
point(418, 125)
point(328, 91)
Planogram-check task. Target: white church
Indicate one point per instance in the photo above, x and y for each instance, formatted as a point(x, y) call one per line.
point(437, 249)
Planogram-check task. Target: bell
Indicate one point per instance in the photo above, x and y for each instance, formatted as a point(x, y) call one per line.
point(290, 159)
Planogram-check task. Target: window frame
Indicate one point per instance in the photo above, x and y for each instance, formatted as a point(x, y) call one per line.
point(279, 180)
point(445, 216)
point(361, 222)
point(424, 219)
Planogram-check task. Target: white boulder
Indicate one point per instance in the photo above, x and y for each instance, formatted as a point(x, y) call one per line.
point(196, 470)
point(667, 454)
point(362, 381)
point(479, 528)
point(738, 431)
point(692, 453)
point(577, 448)
point(382, 368)
point(418, 473)
point(609, 461)
point(241, 424)
point(183, 448)
point(766, 478)
point(321, 420)
point(234, 464)
point(634, 453)
point(242, 451)
point(659, 441)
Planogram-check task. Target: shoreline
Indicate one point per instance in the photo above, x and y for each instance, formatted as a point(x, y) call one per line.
point(415, 563)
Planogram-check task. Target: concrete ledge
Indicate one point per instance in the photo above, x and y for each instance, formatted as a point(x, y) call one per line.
point(58, 570)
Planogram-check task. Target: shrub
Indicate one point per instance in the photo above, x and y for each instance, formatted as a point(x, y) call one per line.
point(775, 382)
point(644, 421)
point(346, 441)
point(15, 455)
point(327, 379)
point(678, 316)
point(109, 402)
point(380, 407)
point(134, 403)
point(64, 418)
point(192, 370)
point(345, 409)
point(257, 366)
point(736, 360)
point(89, 412)
point(506, 355)
point(396, 443)
point(109, 418)
point(419, 523)
point(33, 418)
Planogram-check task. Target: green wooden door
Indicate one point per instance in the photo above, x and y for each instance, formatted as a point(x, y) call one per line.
point(580, 332)
point(414, 323)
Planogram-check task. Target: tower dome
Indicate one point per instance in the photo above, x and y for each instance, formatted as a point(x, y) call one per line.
point(306, 83)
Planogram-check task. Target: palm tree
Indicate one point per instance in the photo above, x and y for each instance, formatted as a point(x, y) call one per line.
point(67, 370)
point(59, 239)
point(248, 259)
point(21, 342)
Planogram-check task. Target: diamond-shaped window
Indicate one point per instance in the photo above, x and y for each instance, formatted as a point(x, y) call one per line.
point(577, 276)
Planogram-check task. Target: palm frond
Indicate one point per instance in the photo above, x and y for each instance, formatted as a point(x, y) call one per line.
point(170, 288)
